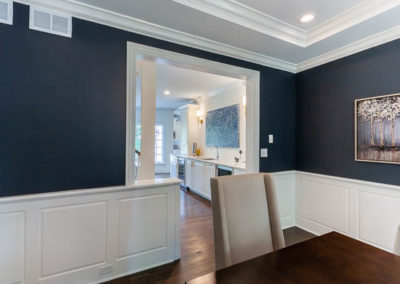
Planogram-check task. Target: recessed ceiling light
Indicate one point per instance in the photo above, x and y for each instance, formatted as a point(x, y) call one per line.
point(306, 18)
point(167, 93)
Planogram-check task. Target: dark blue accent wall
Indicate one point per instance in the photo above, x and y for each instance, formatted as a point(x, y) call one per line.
point(325, 112)
point(62, 106)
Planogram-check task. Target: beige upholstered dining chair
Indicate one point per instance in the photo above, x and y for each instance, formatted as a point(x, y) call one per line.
point(396, 247)
point(246, 218)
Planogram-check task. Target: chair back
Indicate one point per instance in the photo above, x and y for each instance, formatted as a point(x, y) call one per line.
point(396, 248)
point(246, 218)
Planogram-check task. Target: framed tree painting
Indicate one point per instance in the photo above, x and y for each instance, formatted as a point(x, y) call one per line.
point(377, 129)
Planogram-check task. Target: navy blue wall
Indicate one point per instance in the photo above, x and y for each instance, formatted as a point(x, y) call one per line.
point(62, 106)
point(325, 112)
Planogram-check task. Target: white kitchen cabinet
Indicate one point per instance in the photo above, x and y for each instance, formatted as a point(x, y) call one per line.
point(210, 173)
point(188, 173)
point(198, 177)
point(238, 171)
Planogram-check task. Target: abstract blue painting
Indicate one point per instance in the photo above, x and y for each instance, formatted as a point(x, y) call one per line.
point(222, 127)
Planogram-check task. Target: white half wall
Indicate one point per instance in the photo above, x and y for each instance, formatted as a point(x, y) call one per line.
point(366, 211)
point(89, 236)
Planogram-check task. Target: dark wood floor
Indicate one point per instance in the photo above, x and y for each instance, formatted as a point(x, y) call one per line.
point(197, 246)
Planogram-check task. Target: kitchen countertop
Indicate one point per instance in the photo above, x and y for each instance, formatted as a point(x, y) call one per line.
point(234, 165)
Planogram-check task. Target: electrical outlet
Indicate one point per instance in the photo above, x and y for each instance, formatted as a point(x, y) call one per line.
point(264, 153)
point(271, 139)
point(106, 270)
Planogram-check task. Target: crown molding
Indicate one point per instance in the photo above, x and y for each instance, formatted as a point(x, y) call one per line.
point(238, 13)
point(355, 47)
point(351, 17)
point(123, 22)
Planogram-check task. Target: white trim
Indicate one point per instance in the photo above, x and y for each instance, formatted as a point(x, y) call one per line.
point(349, 18)
point(240, 14)
point(10, 13)
point(355, 47)
point(142, 184)
point(352, 181)
point(123, 22)
point(130, 118)
point(252, 78)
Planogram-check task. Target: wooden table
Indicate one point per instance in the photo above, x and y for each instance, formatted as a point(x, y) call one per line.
point(331, 258)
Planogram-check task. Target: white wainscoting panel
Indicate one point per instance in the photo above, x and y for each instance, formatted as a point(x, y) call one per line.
point(363, 210)
point(67, 231)
point(379, 218)
point(285, 183)
point(320, 202)
point(143, 224)
point(12, 247)
point(77, 236)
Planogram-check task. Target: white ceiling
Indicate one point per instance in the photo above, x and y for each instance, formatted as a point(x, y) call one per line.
point(186, 85)
point(262, 31)
point(290, 11)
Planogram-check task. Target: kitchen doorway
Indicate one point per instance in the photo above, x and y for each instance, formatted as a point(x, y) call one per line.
point(139, 53)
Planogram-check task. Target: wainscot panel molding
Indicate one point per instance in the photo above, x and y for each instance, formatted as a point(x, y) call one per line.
point(285, 183)
point(89, 236)
point(366, 211)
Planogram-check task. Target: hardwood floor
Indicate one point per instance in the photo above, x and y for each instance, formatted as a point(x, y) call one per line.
point(197, 246)
point(296, 235)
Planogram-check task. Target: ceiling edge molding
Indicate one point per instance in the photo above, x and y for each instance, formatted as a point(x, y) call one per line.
point(243, 15)
point(355, 47)
point(240, 14)
point(123, 22)
point(119, 21)
point(351, 17)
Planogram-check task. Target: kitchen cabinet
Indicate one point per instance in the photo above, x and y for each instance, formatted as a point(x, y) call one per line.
point(239, 172)
point(201, 174)
point(210, 173)
point(188, 173)
point(198, 174)
point(198, 177)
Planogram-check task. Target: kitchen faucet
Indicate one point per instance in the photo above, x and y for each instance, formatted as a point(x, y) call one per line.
point(217, 152)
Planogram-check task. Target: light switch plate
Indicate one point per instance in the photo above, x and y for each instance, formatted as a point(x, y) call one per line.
point(264, 153)
point(271, 139)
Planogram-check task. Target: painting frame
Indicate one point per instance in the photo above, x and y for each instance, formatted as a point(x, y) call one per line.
point(356, 130)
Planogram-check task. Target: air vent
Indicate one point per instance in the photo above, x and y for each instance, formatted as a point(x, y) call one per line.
point(6, 12)
point(49, 21)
